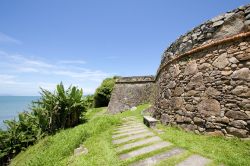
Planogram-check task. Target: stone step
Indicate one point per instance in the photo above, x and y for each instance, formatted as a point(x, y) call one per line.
point(132, 137)
point(131, 126)
point(130, 133)
point(138, 143)
point(195, 160)
point(144, 150)
point(159, 157)
point(129, 129)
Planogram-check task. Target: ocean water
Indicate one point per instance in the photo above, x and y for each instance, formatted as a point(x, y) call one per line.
point(10, 106)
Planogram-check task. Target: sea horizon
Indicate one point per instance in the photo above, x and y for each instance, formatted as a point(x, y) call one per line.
point(11, 105)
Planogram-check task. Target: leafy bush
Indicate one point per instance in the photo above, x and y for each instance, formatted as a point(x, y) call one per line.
point(89, 99)
point(59, 110)
point(103, 92)
point(53, 111)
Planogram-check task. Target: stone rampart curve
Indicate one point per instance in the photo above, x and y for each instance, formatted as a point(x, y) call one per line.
point(228, 24)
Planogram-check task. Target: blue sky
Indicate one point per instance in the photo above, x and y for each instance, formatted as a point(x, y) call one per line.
point(81, 42)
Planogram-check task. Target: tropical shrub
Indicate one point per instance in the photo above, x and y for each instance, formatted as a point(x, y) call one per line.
point(59, 110)
point(53, 111)
point(19, 135)
point(89, 99)
point(103, 92)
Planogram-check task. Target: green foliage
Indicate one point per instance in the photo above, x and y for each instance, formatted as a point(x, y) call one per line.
point(103, 92)
point(53, 111)
point(89, 99)
point(59, 110)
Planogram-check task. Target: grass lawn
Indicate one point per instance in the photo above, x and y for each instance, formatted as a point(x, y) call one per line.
point(96, 136)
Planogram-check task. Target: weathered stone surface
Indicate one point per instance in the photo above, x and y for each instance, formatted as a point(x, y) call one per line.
point(171, 84)
point(130, 133)
point(128, 127)
point(231, 26)
point(198, 120)
point(205, 66)
point(189, 107)
point(167, 94)
point(221, 62)
point(236, 115)
point(133, 137)
point(165, 118)
point(224, 120)
point(240, 89)
point(174, 71)
point(138, 143)
point(178, 91)
point(179, 118)
point(218, 23)
point(209, 107)
point(194, 160)
point(243, 73)
point(212, 92)
point(144, 150)
point(226, 73)
point(191, 68)
point(233, 60)
point(243, 56)
point(81, 150)
point(216, 133)
point(177, 102)
point(191, 93)
point(158, 157)
point(150, 121)
point(237, 132)
point(196, 81)
point(238, 123)
point(126, 95)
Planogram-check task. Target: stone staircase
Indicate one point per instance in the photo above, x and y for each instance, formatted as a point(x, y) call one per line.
point(135, 142)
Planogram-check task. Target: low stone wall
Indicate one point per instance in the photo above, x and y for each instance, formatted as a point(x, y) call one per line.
point(130, 92)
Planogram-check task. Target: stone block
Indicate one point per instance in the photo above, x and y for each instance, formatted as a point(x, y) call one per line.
point(150, 121)
point(209, 107)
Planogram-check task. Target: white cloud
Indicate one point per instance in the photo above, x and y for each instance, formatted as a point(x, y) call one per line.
point(7, 39)
point(7, 79)
point(18, 72)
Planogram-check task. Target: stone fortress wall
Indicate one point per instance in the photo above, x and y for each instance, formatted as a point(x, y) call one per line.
point(203, 82)
point(130, 92)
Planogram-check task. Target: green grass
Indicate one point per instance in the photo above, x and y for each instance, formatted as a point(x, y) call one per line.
point(231, 152)
point(96, 136)
point(58, 149)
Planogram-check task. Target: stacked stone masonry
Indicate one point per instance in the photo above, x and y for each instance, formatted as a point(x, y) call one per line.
point(203, 82)
point(130, 92)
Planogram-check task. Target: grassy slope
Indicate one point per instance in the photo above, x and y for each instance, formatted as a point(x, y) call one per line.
point(96, 136)
point(220, 149)
point(57, 149)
